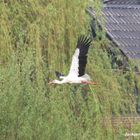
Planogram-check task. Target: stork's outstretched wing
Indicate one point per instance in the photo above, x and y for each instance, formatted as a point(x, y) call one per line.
point(79, 58)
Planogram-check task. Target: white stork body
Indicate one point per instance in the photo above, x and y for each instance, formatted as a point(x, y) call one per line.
point(77, 70)
point(72, 79)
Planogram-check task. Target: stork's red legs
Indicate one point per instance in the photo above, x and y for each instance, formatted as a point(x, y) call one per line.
point(90, 83)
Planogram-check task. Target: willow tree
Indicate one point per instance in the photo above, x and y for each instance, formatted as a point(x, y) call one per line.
point(38, 37)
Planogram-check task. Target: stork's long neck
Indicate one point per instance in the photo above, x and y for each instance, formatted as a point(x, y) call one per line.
point(57, 82)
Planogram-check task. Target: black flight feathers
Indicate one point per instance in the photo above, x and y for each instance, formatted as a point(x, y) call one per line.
point(83, 46)
point(58, 74)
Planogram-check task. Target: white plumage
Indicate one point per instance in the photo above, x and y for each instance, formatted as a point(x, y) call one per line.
point(75, 64)
point(77, 69)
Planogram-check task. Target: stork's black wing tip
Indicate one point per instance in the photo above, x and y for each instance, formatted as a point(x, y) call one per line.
point(58, 74)
point(84, 40)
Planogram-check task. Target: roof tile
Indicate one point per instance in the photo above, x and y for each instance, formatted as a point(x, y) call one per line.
point(123, 26)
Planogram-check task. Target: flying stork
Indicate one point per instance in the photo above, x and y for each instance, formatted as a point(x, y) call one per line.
point(77, 70)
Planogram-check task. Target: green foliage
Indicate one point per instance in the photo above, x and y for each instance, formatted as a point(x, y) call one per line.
point(38, 37)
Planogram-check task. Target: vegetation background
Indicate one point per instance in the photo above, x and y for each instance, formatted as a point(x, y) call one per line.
point(38, 37)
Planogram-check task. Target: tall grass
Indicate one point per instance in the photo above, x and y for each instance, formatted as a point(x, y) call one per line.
point(37, 38)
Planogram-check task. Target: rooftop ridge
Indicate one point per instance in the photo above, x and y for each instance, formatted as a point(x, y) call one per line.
point(122, 2)
point(121, 6)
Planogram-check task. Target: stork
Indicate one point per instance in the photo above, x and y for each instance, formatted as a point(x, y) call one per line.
point(77, 70)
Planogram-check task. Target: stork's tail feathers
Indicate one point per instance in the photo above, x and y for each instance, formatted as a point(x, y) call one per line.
point(59, 75)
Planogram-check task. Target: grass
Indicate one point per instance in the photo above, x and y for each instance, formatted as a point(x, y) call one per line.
point(37, 38)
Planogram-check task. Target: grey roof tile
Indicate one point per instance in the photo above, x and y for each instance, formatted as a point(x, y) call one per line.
point(123, 27)
point(130, 2)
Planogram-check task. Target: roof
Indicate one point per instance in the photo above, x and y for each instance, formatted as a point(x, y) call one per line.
point(123, 27)
point(129, 2)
